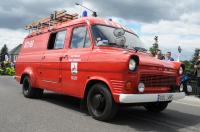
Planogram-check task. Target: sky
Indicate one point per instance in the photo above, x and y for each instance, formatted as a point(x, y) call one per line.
point(176, 22)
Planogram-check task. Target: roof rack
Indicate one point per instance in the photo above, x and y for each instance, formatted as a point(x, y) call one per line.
point(56, 17)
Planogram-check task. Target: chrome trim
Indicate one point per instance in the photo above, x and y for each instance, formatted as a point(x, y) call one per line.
point(48, 81)
point(144, 98)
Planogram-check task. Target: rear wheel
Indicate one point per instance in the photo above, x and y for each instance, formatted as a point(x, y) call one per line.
point(100, 103)
point(156, 106)
point(29, 91)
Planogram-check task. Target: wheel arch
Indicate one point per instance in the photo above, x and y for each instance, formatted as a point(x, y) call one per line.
point(29, 72)
point(93, 81)
point(23, 76)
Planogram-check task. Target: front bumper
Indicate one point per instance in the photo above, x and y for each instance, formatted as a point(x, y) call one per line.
point(144, 98)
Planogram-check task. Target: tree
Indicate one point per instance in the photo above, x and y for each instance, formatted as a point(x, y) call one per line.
point(155, 47)
point(4, 51)
point(188, 65)
point(195, 56)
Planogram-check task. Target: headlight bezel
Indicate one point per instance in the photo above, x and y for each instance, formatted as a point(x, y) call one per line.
point(181, 70)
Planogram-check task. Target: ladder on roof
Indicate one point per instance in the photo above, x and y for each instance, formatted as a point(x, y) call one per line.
point(56, 17)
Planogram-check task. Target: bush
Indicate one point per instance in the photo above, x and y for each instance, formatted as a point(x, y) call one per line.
point(10, 71)
point(7, 69)
point(1, 71)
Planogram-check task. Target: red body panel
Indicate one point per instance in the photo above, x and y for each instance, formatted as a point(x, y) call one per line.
point(52, 69)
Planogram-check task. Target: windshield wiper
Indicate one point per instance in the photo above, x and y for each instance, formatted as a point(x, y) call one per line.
point(139, 49)
point(116, 45)
point(136, 49)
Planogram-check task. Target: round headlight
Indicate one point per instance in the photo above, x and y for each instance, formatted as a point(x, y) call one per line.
point(132, 64)
point(181, 70)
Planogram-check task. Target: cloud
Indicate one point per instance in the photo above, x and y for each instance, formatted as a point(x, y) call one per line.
point(188, 34)
point(11, 37)
point(23, 11)
point(15, 14)
point(192, 18)
point(172, 27)
point(144, 10)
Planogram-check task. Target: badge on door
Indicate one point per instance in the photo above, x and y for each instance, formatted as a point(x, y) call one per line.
point(74, 68)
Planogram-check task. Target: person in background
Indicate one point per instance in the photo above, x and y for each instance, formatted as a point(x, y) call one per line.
point(2, 65)
point(159, 55)
point(168, 57)
point(12, 64)
point(197, 74)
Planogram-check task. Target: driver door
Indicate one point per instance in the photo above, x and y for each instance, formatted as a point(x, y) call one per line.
point(75, 63)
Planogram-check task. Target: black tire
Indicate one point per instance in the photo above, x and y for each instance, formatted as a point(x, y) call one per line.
point(100, 103)
point(29, 91)
point(156, 107)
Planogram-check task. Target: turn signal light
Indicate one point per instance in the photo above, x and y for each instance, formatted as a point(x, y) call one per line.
point(128, 86)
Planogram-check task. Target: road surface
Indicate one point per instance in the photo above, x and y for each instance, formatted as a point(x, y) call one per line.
point(59, 113)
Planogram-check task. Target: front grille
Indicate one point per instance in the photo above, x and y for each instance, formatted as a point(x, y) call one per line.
point(158, 80)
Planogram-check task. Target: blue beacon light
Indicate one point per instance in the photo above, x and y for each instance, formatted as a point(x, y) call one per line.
point(84, 14)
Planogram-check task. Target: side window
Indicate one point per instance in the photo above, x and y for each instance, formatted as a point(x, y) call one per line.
point(80, 38)
point(57, 40)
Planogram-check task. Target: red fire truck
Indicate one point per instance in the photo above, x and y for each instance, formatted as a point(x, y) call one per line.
point(96, 60)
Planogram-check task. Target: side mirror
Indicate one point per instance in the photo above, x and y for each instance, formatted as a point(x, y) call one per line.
point(119, 32)
point(120, 41)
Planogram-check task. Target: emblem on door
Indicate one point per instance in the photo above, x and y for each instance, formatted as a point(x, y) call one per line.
point(74, 68)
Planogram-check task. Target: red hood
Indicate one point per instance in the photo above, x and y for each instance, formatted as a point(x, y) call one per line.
point(147, 60)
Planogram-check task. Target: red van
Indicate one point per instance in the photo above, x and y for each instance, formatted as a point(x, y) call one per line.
point(98, 61)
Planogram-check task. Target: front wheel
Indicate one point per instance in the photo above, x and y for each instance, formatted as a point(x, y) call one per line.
point(29, 91)
point(156, 106)
point(100, 103)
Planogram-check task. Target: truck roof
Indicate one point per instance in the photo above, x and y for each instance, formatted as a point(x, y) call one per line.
point(88, 20)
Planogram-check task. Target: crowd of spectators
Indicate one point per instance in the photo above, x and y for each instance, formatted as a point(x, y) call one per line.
point(166, 57)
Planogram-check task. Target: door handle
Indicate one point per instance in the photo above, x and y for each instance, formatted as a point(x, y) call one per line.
point(43, 57)
point(63, 57)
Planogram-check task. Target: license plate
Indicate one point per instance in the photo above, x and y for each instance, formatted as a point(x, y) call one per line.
point(165, 97)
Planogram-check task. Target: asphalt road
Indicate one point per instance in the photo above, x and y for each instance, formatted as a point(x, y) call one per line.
point(59, 113)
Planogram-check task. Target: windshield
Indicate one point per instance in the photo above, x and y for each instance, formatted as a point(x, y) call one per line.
point(106, 35)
